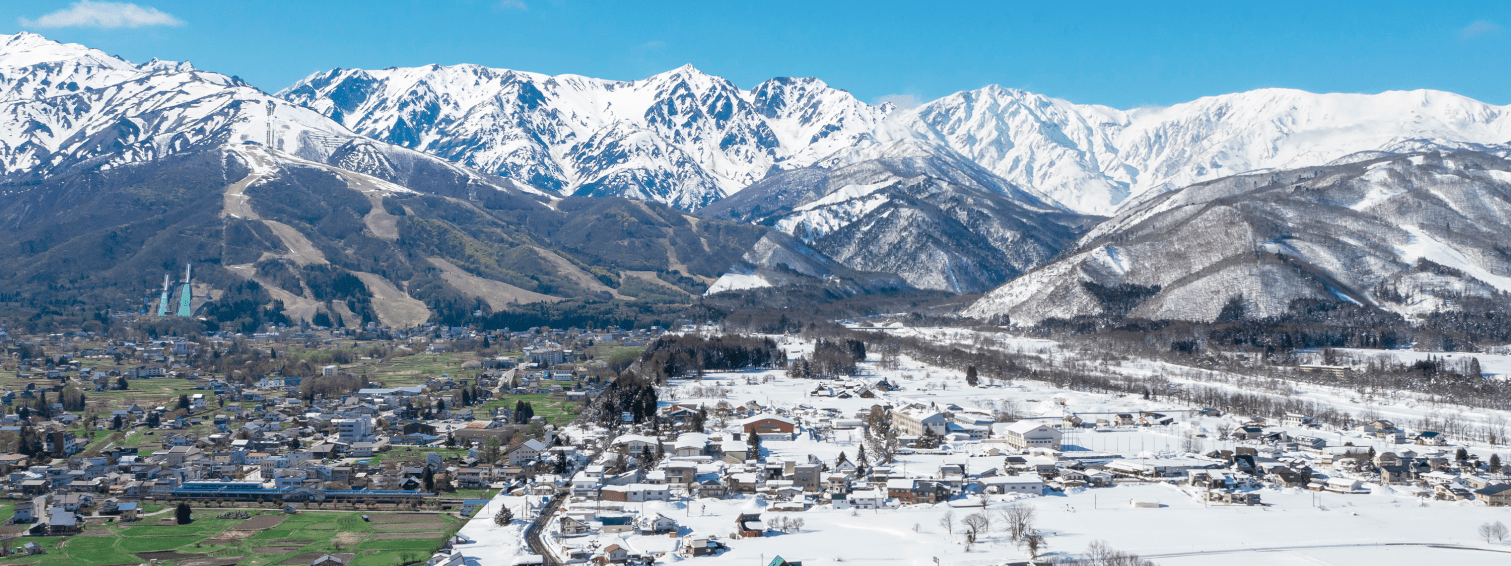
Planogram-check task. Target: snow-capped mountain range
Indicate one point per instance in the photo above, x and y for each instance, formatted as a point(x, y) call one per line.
point(65, 106)
point(688, 138)
point(960, 194)
point(683, 137)
point(1095, 159)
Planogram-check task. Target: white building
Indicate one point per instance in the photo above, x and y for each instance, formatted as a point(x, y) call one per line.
point(867, 499)
point(526, 452)
point(911, 422)
point(350, 431)
point(545, 356)
point(1025, 483)
point(1027, 434)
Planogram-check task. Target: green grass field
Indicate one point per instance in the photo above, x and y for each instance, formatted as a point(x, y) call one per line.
point(146, 393)
point(378, 543)
point(474, 493)
point(416, 369)
point(556, 410)
point(608, 350)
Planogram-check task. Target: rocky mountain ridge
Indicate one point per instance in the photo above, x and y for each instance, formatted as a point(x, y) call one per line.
point(1410, 234)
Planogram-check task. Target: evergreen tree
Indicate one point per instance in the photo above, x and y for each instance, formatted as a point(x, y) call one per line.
point(1495, 463)
point(183, 402)
point(429, 480)
point(120, 383)
point(504, 516)
point(970, 375)
point(928, 440)
point(183, 514)
point(753, 442)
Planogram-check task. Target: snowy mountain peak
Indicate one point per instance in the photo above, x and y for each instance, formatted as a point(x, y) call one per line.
point(170, 66)
point(29, 49)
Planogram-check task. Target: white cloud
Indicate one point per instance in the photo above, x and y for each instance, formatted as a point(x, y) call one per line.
point(514, 4)
point(901, 101)
point(1478, 28)
point(107, 15)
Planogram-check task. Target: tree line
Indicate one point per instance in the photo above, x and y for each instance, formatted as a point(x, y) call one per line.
point(679, 356)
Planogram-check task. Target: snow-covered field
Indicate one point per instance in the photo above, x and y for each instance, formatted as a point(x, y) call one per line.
point(1389, 525)
point(1291, 530)
point(494, 545)
point(1496, 365)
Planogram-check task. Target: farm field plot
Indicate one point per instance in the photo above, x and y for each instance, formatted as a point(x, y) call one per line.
point(415, 369)
point(144, 392)
point(268, 537)
point(556, 410)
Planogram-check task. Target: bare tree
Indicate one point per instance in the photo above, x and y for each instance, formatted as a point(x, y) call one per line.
point(948, 522)
point(1019, 519)
point(975, 524)
point(1035, 543)
point(1099, 554)
point(1191, 444)
point(1493, 532)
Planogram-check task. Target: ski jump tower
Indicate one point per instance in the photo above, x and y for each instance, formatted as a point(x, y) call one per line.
point(162, 305)
point(187, 295)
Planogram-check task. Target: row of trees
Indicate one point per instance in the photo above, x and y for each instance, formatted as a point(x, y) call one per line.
point(831, 358)
point(1006, 366)
point(629, 394)
point(523, 411)
point(678, 356)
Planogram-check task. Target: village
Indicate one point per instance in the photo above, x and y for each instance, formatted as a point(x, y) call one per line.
point(754, 463)
point(109, 434)
point(764, 463)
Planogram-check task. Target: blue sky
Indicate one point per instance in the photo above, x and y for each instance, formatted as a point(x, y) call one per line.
point(1122, 54)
